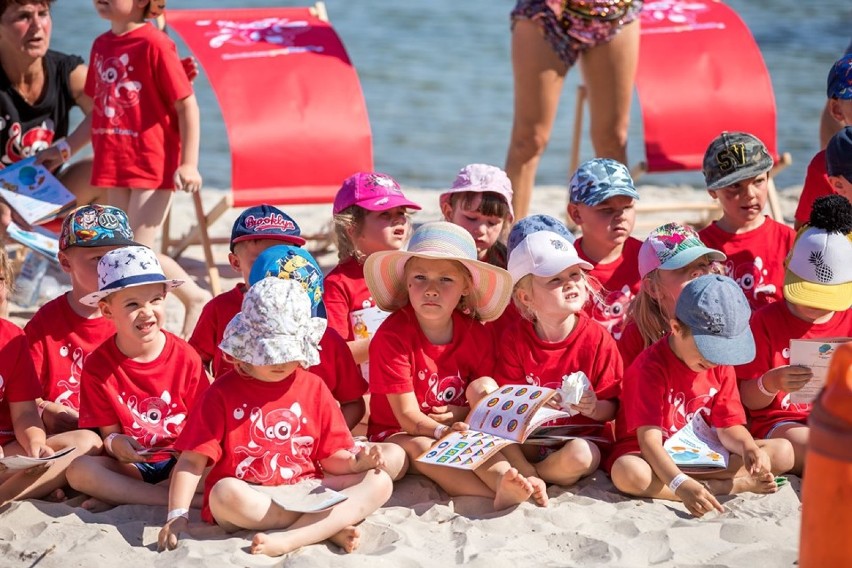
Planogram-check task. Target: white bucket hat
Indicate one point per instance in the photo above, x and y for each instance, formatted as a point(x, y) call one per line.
point(275, 326)
point(125, 268)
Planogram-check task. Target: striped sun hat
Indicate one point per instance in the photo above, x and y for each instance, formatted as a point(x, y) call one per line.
point(385, 270)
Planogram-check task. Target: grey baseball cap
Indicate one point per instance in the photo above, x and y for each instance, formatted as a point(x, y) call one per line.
point(733, 157)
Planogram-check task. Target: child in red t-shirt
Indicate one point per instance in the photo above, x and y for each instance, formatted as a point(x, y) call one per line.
point(136, 388)
point(21, 430)
point(557, 338)
point(271, 422)
point(839, 93)
point(736, 171)
point(144, 128)
point(428, 351)
point(817, 298)
point(63, 332)
point(670, 258)
point(602, 198)
point(685, 374)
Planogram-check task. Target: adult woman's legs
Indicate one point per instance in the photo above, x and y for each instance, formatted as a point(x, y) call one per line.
point(538, 75)
point(609, 70)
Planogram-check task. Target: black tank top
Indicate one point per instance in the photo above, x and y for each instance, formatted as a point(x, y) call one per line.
point(26, 129)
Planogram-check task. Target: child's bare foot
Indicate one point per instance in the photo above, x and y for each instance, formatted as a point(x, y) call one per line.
point(513, 489)
point(348, 539)
point(271, 544)
point(193, 308)
point(96, 505)
point(762, 484)
point(56, 496)
point(539, 494)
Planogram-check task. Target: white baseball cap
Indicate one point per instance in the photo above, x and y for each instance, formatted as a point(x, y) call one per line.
point(543, 253)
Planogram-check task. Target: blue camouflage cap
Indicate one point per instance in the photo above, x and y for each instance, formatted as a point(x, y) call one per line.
point(599, 179)
point(533, 224)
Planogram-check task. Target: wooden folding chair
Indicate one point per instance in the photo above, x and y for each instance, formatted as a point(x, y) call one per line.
point(292, 104)
point(700, 73)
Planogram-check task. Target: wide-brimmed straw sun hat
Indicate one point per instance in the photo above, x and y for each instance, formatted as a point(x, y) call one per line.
point(385, 270)
point(127, 267)
point(274, 326)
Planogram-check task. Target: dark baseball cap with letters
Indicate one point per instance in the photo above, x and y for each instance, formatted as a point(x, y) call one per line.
point(733, 157)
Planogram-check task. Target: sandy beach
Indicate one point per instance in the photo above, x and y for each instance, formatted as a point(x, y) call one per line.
point(589, 524)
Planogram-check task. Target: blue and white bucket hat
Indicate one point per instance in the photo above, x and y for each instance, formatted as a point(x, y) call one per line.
point(127, 267)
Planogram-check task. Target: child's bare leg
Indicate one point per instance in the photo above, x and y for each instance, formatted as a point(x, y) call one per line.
point(797, 435)
point(233, 503)
point(456, 482)
point(576, 459)
point(146, 211)
point(634, 476)
point(395, 458)
point(27, 485)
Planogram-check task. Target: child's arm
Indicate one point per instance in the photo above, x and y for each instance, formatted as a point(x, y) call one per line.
point(738, 440)
point(57, 417)
point(787, 378)
point(343, 462)
point(187, 177)
point(598, 410)
point(360, 349)
point(353, 411)
point(411, 419)
point(694, 495)
point(185, 478)
point(29, 430)
point(121, 447)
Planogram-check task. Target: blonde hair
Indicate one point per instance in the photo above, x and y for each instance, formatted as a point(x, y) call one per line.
point(347, 222)
point(467, 303)
point(6, 270)
point(594, 293)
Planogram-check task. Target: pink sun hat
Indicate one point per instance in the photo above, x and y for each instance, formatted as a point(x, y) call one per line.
point(370, 191)
point(384, 271)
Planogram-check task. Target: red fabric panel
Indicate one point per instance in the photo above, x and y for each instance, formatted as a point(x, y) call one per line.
point(291, 100)
point(700, 72)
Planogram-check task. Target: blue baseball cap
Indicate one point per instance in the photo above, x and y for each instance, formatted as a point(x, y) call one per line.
point(839, 84)
point(599, 179)
point(534, 223)
point(717, 312)
point(290, 262)
point(265, 222)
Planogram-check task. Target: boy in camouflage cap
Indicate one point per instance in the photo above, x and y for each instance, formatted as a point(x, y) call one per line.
point(736, 171)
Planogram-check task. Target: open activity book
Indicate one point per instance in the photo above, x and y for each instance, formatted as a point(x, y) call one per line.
point(33, 192)
point(816, 354)
point(26, 462)
point(696, 447)
point(510, 415)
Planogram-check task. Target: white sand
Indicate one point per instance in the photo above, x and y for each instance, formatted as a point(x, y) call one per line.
point(589, 524)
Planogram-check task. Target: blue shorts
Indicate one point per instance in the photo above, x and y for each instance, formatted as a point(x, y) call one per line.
point(155, 472)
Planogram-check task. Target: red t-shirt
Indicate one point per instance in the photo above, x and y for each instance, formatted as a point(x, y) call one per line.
point(345, 292)
point(773, 327)
point(816, 185)
point(18, 380)
point(337, 367)
point(527, 359)
point(265, 433)
point(755, 258)
point(403, 360)
point(149, 400)
point(620, 280)
point(507, 319)
point(660, 390)
point(60, 341)
point(134, 80)
point(630, 344)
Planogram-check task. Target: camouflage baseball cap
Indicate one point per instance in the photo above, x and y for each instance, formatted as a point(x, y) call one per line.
point(733, 157)
point(96, 226)
point(599, 179)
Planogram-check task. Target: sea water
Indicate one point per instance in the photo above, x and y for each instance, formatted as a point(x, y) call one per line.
point(437, 80)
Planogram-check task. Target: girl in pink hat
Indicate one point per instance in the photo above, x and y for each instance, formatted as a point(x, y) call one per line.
point(428, 351)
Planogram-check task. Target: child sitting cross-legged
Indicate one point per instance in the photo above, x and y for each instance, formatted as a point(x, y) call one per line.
point(431, 347)
point(271, 422)
point(685, 374)
point(136, 388)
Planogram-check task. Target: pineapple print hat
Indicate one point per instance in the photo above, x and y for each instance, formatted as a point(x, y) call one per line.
point(819, 268)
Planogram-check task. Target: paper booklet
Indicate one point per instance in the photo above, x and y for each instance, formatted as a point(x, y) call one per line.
point(42, 241)
point(308, 496)
point(816, 354)
point(26, 462)
point(507, 416)
point(365, 323)
point(33, 192)
point(696, 447)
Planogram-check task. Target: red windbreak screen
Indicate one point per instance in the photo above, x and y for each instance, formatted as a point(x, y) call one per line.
point(700, 72)
point(292, 104)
